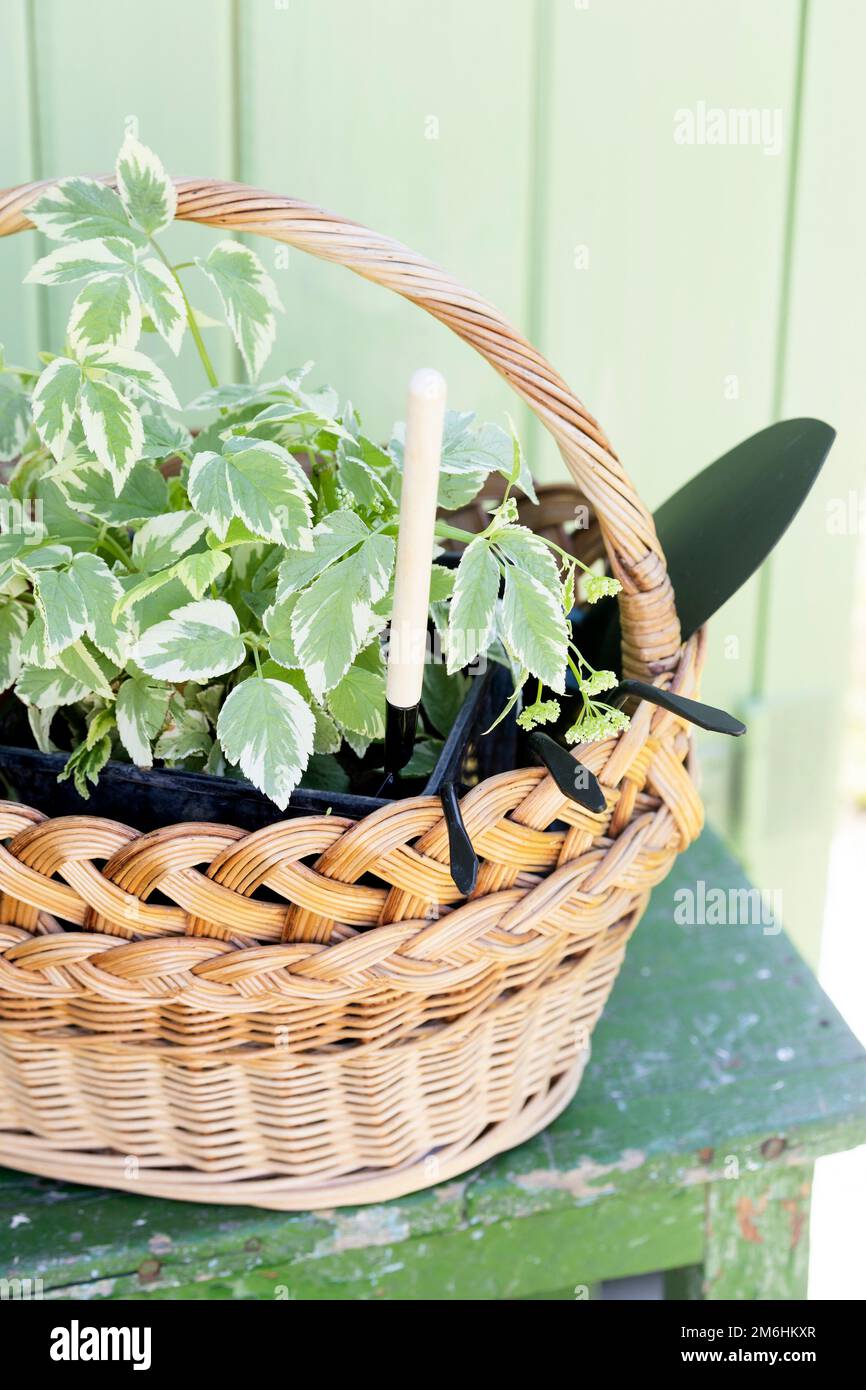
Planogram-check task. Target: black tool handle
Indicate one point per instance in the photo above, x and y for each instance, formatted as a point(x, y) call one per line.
point(571, 777)
point(400, 726)
point(716, 721)
point(464, 860)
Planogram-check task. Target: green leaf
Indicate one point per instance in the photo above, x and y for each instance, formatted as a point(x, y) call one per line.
point(107, 310)
point(187, 736)
point(140, 712)
point(48, 689)
point(325, 774)
point(357, 702)
point(474, 450)
point(476, 589)
point(337, 534)
point(197, 642)
point(55, 402)
point(100, 590)
point(142, 496)
point(520, 475)
point(442, 696)
point(113, 429)
point(85, 762)
point(61, 607)
point(332, 619)
point(457, 490)
point(248, 298)
point(197, 572)
point(208, 488)
point(164, 539)
point(267, 728)
point(425, 756)
point(532, 554)
point(66, 265)
point(441, 583)
point(266, 491)
point(77, 209)
point(148, 194)
point(163, 437)
point(14, 416)
point(135, 371)
point(535, 627)
point(13, 625)
point(162, 299)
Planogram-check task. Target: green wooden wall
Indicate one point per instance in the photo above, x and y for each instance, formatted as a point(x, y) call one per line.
point(690, 293)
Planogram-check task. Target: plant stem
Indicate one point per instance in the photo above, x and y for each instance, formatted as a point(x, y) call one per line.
point(111, 545)
point(190, 316)
point(453, 533)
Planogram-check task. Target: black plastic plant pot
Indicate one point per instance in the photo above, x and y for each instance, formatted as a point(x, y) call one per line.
point(148, 800)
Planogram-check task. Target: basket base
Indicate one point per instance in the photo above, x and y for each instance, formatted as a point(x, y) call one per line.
point(29, 1154)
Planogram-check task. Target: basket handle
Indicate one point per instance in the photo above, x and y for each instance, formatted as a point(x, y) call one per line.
point(650, 628)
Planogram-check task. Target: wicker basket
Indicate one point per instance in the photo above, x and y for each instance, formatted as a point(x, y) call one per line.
point(308, 1015)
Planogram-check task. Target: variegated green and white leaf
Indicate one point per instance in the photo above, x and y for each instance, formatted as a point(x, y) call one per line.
point(135, 372)
point(166, 538)
point(147, 193)
point(208, 488)
point(107, 310)
point(112, 427)
point(34, 651)
point(333, 538)
point(40, 727)
point(61, 607)
point(266, 491)
point(198, 572)
point(162, 299)
point(83, 666)
point(534, 627)
point(143, 495)
point(14, 416)
point(357, 702)
point(55, 403)
point(140, 711)
point(268, 729)
point(80, 260)
point(43, 557)
point(100, 590)
point(345, 593)
point(277, 622)
point(532, 554)
point(79, 209)
point(197, 642)
point(248, 296)
point(13, 625)
point(476, 588)
point(49, 689)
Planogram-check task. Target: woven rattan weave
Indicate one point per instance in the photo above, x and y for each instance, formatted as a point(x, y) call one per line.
point(310, 1015)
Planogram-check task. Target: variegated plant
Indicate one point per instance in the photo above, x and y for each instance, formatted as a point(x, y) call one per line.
point(218, 600)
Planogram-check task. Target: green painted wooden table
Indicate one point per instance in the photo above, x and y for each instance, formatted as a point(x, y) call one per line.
point(720, 1071)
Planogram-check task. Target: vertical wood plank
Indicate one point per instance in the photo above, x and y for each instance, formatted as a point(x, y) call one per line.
point(808, 592)
point(417, 120)
point(18, 154)
point(758, 1236)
